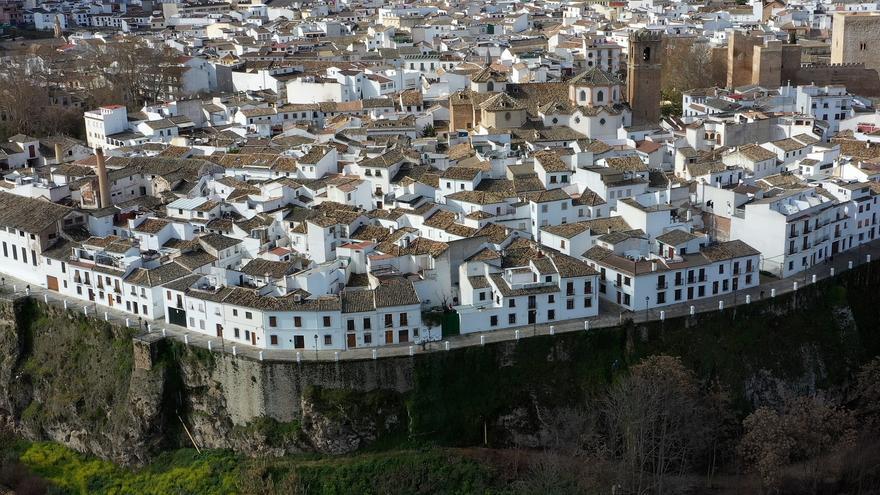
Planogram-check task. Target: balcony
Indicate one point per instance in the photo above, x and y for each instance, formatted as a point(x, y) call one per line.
point(792, 234)
point(691, 280)
point(662, 285)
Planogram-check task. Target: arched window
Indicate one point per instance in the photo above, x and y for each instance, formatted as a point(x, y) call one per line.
point(646, 54)
point(583, 95)
point(614, 94)
point(600, 96)
point(490, 86)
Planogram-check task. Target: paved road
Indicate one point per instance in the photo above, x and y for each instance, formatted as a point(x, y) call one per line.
point(609, 315)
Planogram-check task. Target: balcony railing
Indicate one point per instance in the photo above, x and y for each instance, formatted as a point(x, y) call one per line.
point(662, 285)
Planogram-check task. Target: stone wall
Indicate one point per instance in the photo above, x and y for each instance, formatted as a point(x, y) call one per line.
point(84, 383)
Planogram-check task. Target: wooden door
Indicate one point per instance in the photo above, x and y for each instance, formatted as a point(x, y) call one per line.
point(351, 341)
point(389, 337)
point(52, 283)
point(403, 336)
point(253, 338)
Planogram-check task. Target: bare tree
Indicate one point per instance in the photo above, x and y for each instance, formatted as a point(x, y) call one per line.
point(868, 393)
point(766, 446)
point(688, 65)
point(140, 73)
point(807, 430)
point(656, 423)
point(27, 107)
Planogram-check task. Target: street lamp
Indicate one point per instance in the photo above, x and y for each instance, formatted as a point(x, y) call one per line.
point(316, 347)
point(646, 308)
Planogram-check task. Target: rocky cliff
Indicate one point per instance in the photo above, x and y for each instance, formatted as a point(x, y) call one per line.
point(97, 388)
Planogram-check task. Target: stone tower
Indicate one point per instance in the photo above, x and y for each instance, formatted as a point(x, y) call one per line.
point(854, 39)
point(643, 76)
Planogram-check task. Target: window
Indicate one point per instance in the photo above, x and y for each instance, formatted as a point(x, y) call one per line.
point(403, 319)
point(511, 303)
point(511, 319)
point(551, 299)
point(569, 304)
point(236, 332)
point(350, 325)
point(551, 314)
point(600, 95)
point(273, 321)
point(368, 338)
point(367, 324)
point(326, 321)
point(588, 302)
point(234, 312)
point(482, 296)
point(661, 297)
point(297, 321)
point(328, 339)
point(389, 320)
point(248, 315)
point(493, 320)
point(273, 339)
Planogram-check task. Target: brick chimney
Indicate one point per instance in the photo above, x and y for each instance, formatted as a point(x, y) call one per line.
point(103, 180)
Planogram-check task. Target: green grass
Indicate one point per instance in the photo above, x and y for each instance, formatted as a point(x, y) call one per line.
point(221, 472)
point(181, 472)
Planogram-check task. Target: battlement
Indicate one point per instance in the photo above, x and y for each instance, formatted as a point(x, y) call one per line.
point(857, 65)
point(643, 35)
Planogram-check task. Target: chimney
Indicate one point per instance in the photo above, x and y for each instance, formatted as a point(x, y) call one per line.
point(103, 180)
point(59, 152)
